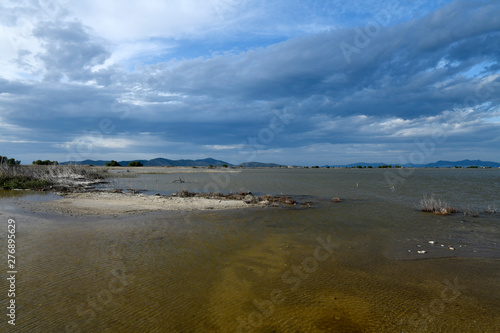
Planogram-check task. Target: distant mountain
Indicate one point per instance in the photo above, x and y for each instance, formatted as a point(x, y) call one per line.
point(363, 164)
point(259, 165)
point(463, 163)
point(181, 163)
point(438, 164)
point(210, 161)
point(157, 162)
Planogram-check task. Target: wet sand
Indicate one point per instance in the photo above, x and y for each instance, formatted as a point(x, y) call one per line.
point(104, 203)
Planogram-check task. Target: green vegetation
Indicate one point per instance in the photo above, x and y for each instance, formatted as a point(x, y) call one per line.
point(131, 164)
point(113, 164)
point(46, 162)
point(472, 167)
point(225, 165)
point(21, 182)
point(315, 167)
point(9, 161)
point(384, 166)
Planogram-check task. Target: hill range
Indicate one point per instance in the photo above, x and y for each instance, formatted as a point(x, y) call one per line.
point(161, 162)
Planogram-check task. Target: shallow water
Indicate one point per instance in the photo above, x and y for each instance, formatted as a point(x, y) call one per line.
point(337, 267)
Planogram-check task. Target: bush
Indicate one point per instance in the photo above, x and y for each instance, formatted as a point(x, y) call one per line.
point(46, 162)
point(225, 165)
point(133, 164)
point(113, 164)
point(9, 161)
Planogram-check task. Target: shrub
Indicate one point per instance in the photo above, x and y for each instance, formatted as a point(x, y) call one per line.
point(9, 161)
point(133, 164)
point(46, 162)
point(113, 163)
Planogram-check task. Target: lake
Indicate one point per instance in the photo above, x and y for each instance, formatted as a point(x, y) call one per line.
point(352, 266)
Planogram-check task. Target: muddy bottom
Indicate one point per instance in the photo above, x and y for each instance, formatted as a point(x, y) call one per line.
point(236, 271)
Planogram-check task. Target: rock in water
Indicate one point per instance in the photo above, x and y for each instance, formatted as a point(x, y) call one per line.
point(249, 199)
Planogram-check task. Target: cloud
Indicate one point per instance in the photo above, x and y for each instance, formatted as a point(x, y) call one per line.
point(132, 20)
point(205, 78)
point(71, 51)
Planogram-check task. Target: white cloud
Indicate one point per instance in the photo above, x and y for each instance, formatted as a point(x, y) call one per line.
point(142, 19)
point(223, 147)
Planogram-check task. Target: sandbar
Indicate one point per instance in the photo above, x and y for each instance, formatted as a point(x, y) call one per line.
point(105, 203)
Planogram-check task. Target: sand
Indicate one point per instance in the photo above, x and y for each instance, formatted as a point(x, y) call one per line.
point(102, 203)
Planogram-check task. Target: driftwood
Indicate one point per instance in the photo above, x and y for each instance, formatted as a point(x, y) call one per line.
point(180, 180)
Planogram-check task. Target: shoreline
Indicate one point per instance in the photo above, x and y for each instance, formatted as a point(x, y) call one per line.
point(111, 203)
point(107, 203)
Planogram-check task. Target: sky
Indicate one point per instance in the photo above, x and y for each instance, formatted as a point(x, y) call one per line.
point(290, 82)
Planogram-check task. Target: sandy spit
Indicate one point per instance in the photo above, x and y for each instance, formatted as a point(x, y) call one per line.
point(102, 203)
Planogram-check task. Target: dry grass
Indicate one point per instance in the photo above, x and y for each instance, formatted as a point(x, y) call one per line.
point(436, 206)
point(41, 176)
point(492, 209)
point(440, 207)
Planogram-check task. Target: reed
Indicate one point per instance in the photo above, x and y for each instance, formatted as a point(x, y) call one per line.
point(436, 206)
point(40, 176)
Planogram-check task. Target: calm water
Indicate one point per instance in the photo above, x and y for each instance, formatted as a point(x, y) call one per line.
point(336, 267)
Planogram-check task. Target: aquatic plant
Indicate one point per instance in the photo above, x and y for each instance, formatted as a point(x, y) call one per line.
point(492, 209)
point(436, 206)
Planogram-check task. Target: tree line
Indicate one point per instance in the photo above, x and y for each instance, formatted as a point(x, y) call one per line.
point(114, 163)
point(9, 161)
point(46, 162)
